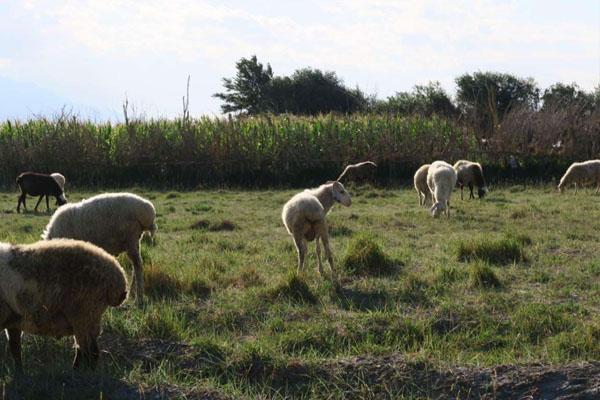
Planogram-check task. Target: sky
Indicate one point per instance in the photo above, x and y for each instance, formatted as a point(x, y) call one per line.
point(87, 56)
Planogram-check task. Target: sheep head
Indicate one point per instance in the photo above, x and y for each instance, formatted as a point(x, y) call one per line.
point(437, 209)
point(340, 194)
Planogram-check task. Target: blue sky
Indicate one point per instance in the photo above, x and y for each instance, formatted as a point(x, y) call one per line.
point(89, 54)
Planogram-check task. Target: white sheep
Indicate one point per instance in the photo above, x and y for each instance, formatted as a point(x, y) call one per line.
point(58, 288)
point(60, 179)
point(420, 181)
point(441, 179)
point(580, 173)
point(469, 173)
point(113, 221)
point(304, 216)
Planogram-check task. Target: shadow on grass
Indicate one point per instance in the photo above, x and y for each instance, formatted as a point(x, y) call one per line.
point(363, 300)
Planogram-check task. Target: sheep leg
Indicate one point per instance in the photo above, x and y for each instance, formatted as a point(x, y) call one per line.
point(47, 204)
point(461, 191)
point(14, 341)
point(87, 353)
point(448, 209)
point(22, 198)
point(301, 249)
point(322, 233)
point(471, 190)
point(38, 203)
point(138, 276)
point(318, 244)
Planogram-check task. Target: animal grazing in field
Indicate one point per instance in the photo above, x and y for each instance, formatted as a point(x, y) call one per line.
point(441, 179)
point(304, 216)
point(58, 288)
point(60, 179)
point(34, 184)
point(470, 173)
point(420, 181)
point(113, 221)
point(580, 173)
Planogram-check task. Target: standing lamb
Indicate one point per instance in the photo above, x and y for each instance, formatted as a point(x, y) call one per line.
point(421, 187)
point(469, 173)
point(113, 221)
point(304, 216)
point(580, 173)
point(58, 288)
point(441, 179)
point(35, 184)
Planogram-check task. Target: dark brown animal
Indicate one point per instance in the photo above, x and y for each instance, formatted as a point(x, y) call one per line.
point(34, 184)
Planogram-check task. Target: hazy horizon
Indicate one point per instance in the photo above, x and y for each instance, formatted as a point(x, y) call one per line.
point(90, 55)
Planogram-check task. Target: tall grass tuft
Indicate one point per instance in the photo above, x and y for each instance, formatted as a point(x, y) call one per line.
point(508, 249)
point(365, 257)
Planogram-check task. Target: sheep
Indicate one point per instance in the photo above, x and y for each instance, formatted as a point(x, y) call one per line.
point(469, 173)
point(58, 288)
point(59, 178)
point(441, 179)
point(421, 187)
point(580, 173)
point(113, 221)
point(35, 184)
point(304, 217)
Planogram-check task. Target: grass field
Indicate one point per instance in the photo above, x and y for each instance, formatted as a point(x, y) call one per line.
point(511, 279)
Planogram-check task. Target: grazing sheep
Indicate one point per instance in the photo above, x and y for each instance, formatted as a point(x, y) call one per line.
point(58, 288)
point(421, 185)
point(469, 173)
point(60, 179)
point(113, 221)
point(441, 179)
point(580, 173)
point(35, 184)
point(304, 216)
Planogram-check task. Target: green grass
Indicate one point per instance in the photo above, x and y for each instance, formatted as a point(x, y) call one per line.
point(513, 278)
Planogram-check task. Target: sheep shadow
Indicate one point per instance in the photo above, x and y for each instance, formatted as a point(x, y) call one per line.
point(361, 300)
point(68, 384)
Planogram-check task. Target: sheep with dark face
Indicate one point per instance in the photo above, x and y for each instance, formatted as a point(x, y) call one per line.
point(58, 288)
point(112, 221)
point(470, 173)
point(304, 216)
point(34, 184)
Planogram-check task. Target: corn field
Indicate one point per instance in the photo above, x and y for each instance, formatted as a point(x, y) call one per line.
point(270, 151)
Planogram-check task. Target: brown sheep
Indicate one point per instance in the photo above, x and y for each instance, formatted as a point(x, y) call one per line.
point(34, 184)
point(58, 288)
point(470, 173)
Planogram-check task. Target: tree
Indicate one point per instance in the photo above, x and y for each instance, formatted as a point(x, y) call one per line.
point(424, 100)
point(560, 95)
point(249, 90)
point(488, 96)
point(313, 91)
point(308, 91)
